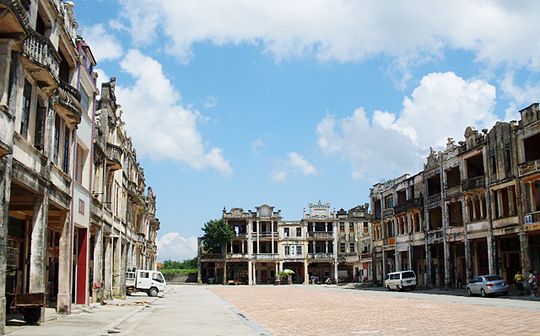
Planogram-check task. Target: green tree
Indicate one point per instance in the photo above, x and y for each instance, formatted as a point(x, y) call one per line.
point(217, 233)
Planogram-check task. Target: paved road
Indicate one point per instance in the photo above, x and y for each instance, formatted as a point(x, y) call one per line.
point(296, 310)
point(320, 310)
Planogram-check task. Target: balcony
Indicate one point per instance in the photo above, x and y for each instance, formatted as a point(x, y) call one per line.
point(474, 183)
point(41, 59)
point(266, 256)
point(453, 191)
point(15, 16)
point(435, 237)
point(320, 256)
point(408, 205)
point(114, 156)
point(67, 101)
point(388, 212)
point(366, 256)
point(237, 256)
point(433, 199)
point(266, 234)
point(529, 167)
point(321, 234)
point(211, 256)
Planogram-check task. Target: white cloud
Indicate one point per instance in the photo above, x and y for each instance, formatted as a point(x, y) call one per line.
point(210, 102)
point(298, 162)
point(160, 126)
point(105, 46)
point(495, 31)
point(442, 106)
point(173, 246)
point(520, 96)
point(279, 176)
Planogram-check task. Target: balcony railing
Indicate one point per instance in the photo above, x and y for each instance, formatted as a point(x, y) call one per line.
point(40, 50)
point(474, 183)
point(320, 255)
point(388, 212)
point(408, 205)
point(114, 156)
point(321, 234)
point(267, 256)
point(20, 8)
point(453, 191)
point(70, 100)
point(436, 198)
point(529, 167)
point(435, 236)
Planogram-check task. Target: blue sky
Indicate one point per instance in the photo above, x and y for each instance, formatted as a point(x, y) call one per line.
point(240, 103)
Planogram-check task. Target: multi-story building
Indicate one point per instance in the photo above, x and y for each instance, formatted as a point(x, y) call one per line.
point(47, 146)
point(264, 244)
point(473, 208)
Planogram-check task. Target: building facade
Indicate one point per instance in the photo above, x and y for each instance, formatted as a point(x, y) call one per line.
point(472, 210)
point(324, 245)
point(47, 145)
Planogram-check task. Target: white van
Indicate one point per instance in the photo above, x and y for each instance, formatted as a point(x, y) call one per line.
point(400, 280)
point(150, 282)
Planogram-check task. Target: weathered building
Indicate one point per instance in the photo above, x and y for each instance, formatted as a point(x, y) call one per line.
point(476, 205)
point(47, 145)
point(322, 245)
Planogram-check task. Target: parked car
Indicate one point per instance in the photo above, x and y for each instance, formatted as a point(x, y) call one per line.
point(400, 280)
point(485, 285)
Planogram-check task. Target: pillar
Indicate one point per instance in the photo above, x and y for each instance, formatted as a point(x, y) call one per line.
point(5, 189)
point(38, 245)
point(397, 260)
point(107, 280)
point(97, 285)
point(524, 253)
point(511, 198)
point(64, 268)
point(306, 275)
point(429, 270)
point(446, 251)
point(254, 273)
point(383, 264)
point(468, 260)
point(250, 272)
point(411, 257)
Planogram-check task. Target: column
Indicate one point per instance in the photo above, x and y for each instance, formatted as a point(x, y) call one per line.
point(524, 252)
point(254, 273)
point(532, 203)
point(473, 203)
point(397, 260)
point(123, 264)
point(306, 275)
point(107, 280)
point(5, 189)
point(468, 260)
point(429, 270)
point(65, 267)
point(383, 264)
point(258, 231)
point(411, 258)
point(446, 251)
point(482, 209)
point(117, 261)
point(250, 272)
point(38, 247)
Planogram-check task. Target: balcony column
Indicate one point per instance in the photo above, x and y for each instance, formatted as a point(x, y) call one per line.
point(532, 200)
point(326, 246)
point(474, 199)
point(250, 272)
point(258, 240)
point(250, 239)
point(306, 275)
point(511, 200)
point(272, 237)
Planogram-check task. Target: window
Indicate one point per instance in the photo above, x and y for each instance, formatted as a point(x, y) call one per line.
point(342, 247)
point(341, 227)
point(493, 160)
point(40, 126)
point(351, 247)
point(56, 138)
point(299, 232)
point(66, 150)
point(286, 232)
point(85, 101)
point(287, 250)
point(351, 227)
point(157, 277)
point(25, 117)
point(298, 249)
point(144, 275)
point(80, 164)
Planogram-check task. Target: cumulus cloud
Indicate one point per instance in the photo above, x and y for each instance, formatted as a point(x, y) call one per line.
point(298, 162)
point(160, 126)
point(174, 246)
point(105, 46)
point(495, 31)
point(520, 96)
point(295, 163)
point(388, 144)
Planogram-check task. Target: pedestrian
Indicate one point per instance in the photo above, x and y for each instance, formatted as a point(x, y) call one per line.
point(518, 280)
point(532, 283)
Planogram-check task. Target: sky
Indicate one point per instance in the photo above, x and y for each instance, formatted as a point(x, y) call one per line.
point(238, 103)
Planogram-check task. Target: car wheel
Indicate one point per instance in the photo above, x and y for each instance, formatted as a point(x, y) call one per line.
point(483, 292)
point(153, 292)
point(469, 293)
point(505, 294)
point(399, 288)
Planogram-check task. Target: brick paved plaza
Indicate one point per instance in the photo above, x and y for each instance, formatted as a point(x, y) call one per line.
point(319, 310)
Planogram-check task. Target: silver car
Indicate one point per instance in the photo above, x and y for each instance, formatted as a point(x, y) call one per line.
point(487, 284)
